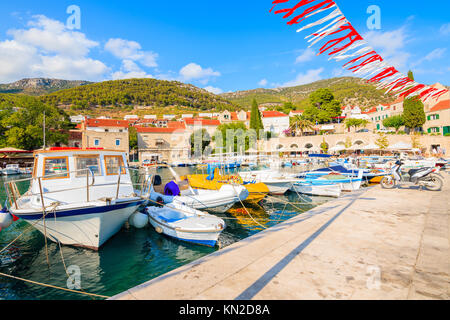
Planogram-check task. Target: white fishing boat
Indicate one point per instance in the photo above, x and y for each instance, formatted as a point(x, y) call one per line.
point(179, 191)
point(217, 201)
point(77, 197)
point(309, 188)
point(11, 170)
point(276, 181)
point(186, 224)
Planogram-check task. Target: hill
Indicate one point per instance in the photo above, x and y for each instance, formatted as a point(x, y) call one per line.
point(39, 86)
point(349, 90)
point(139, 93)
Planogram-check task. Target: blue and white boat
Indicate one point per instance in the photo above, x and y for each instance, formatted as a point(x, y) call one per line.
point(77, 197)
point(186, 224)
point(347, 183)
point(317, 189)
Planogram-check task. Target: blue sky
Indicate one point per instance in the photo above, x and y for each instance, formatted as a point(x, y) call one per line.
point(219, 45)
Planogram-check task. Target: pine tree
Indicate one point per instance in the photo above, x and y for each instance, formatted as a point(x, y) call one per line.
point(255, 118)
point(413, 111)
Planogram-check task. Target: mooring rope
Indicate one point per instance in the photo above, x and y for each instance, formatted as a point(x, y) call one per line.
point(52, 286)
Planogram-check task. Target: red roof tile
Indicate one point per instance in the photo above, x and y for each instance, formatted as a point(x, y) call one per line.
point(443, 105)
point(203, 122)
point(157, 130)
point(372, 110)
point(176, 125)
point(273, 114)
point(107, 123)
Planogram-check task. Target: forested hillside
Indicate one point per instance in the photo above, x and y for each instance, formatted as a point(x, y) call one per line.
point(138, 92)
point(348, 90)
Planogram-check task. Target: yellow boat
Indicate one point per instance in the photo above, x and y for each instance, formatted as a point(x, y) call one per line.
point(257, 191)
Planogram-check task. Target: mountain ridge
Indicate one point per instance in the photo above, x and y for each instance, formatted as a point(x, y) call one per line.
point(40, 86)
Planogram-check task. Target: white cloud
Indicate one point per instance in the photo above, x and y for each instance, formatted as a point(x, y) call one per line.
point(389, 45)
point(433, 55)
point(307, 55)
point(445, 29)
point(214, 90)
point(130, 70)
point(263, 82)
point(305, 78)
point(51, 36)
point(193, 71)
point(46, 48)
point(131, 50)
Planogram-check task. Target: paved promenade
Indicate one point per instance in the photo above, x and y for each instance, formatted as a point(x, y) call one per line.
point(373, 244)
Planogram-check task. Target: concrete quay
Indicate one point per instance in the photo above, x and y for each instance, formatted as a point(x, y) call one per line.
point(372, 244)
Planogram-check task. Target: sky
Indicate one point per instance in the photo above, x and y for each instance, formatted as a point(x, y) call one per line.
point(221, 46)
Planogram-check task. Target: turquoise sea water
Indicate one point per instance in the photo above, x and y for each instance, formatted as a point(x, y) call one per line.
point(128, 259)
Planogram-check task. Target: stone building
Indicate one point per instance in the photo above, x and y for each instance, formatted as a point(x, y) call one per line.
point(172, 144)
point(105, 133)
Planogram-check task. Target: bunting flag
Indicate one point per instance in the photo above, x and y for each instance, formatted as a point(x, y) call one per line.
point(343, 43)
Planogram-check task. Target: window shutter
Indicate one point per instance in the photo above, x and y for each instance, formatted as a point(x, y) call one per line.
point(437, 117)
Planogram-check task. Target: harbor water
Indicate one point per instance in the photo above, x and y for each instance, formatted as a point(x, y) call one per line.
point(129, 258)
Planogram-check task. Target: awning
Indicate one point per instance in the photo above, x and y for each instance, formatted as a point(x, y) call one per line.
point(401, 146)
point(13, 150)
point(329, 127)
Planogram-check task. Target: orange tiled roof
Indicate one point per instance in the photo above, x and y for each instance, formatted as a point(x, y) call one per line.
point(156, 130)
point(371, 110)
point(107, 123)
point(203, 122)
point(273, 114)
point(445, 104)
point(176, 125)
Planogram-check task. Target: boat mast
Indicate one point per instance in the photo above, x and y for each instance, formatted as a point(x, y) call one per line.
point(43, 126)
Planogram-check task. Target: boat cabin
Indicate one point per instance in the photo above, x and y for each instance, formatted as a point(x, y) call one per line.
point(70, 175)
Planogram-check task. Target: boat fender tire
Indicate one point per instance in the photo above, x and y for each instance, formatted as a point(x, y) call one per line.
point(159, 230)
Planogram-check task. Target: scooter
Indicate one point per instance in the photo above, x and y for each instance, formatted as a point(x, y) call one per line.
point(424, 177)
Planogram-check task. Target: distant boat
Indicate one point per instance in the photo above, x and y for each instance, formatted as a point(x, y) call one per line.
point(277, 182)
point(11, 169)
point(186, 224)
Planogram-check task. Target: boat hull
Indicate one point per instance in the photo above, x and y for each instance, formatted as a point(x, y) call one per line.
point(318, 190)
point(214, 201)
point(257, 191)
point(191, 225)
point(87, 227)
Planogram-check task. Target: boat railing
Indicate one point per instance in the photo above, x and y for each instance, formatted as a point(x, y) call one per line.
point(141, 185)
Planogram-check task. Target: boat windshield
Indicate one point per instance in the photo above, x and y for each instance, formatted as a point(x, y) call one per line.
point(56, 168)
point(89, 162)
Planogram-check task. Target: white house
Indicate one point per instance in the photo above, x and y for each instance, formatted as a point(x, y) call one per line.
point(275, 122)
point(187, 116)
point(169, 116)
point(150, 117)
point(77, 119)
point(354, 113)
point(131, 117)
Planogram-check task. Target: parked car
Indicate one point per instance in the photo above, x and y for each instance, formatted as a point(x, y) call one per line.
point(362, 130)
point(384, 130)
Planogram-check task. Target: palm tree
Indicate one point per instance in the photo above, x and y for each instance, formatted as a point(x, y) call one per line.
point(300, 124)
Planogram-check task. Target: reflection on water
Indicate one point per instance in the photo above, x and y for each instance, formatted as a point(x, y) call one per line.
point(129, 258)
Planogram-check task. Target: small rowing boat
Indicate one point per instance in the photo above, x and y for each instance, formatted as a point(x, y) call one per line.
point(186, 224)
